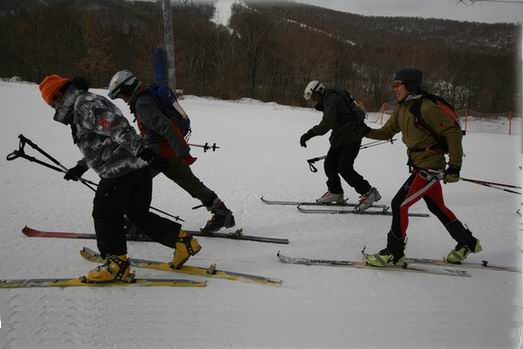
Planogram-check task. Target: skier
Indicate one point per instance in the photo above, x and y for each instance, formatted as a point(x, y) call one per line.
point(345, 119)
point(111, 147)
point(427, 166)
point(163, 135)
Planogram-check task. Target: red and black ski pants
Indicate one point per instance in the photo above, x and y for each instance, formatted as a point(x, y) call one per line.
point(423, 184)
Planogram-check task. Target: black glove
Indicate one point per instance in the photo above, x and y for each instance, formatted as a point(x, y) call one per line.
point(366, 130)
point(304, 138)
point(74, 173)
point(451, 174)
point(156, 161)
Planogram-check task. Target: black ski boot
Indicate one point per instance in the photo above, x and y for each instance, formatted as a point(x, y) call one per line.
point(221, 217)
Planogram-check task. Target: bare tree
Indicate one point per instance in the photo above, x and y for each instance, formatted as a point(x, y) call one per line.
point(97, 59)
point(253, 30)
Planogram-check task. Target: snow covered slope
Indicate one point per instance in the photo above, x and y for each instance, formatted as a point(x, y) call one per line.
point(317, 307)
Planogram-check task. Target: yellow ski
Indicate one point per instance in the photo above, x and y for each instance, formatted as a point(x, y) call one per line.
point(76, 282)
point(210, 272)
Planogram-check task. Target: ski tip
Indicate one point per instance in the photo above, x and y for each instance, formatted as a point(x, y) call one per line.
point(27, 231)
point(87, 250)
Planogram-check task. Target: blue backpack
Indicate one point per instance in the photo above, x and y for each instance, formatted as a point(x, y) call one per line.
point(168, 103)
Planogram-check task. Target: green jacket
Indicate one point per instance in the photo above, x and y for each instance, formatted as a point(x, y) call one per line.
point(416, 139)
point(340, 117)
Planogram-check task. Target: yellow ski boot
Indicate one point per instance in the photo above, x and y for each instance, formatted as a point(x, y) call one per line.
point(461, 252)
point(115, 268)
point(185, 247)
point(385, 258)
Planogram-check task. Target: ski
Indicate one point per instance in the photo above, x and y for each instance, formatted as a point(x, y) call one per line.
point(210, 272)
point(360, 264)
point(482, 265)
point(236, 235)
point(342, 211)
point(313, 203)
point(80, 281)
point(34, 233)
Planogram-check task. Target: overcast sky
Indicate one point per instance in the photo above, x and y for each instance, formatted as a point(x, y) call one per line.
point(488, 12)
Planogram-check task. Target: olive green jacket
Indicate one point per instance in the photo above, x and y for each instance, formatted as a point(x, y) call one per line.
point(416, 139)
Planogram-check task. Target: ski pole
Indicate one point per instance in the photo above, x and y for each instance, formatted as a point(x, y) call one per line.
point(20, 152)
point(490, 183)
point(364, 146)
point(377, 142)
point(24, 140)
point(493, 186)
point(206, 146)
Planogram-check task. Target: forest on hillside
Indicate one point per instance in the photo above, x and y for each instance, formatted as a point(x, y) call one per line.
point(269, 51)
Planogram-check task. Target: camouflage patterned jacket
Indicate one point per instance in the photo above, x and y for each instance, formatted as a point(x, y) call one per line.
point(108, 143)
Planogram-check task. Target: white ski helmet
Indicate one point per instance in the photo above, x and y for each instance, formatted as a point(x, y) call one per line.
point(313, 87)
point(120, 80)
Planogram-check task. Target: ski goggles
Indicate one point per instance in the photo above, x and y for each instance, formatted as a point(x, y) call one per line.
point(113, 94)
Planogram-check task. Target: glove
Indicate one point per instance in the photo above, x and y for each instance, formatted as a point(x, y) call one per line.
point(366, 130)
point(154, 160)
point(74, 173)
point(304, 138)
point(451, 174)
point(188, 159)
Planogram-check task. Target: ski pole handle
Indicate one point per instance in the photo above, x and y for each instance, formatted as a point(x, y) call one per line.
point(11, 156)
point(312, 167)
point(18, 152)
point(312, 161)
point(205, 146)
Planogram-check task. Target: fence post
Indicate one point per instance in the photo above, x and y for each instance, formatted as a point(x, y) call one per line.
point(509, 123)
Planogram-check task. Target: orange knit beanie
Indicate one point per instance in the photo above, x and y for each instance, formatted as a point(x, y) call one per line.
point(50, 85)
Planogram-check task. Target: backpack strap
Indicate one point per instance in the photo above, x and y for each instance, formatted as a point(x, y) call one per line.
point(419, 122)
point(166, 105)
point(355, 110)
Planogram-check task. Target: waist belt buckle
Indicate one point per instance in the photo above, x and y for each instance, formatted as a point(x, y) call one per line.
point(428, 175)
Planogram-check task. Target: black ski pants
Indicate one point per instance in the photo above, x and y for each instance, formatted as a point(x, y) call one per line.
point(340, 162)
point(128, 195)
point(181, 174)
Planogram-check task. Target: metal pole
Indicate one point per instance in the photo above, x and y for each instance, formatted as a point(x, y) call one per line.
point(168, 41)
